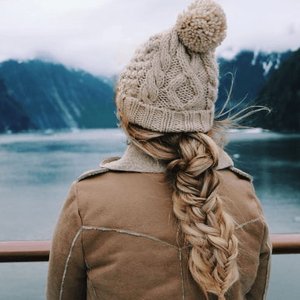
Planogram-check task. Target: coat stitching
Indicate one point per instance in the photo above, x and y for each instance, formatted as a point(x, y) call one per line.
point(89, 268)
point(268, 269)
point(181, 272)
point(267, 276)
point(136, 234)
point(129, 232)
point(107, 229)
point(239, 226)
point(67, 263)
point(94, 291)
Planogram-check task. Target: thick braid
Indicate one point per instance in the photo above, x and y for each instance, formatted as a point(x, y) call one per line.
point(191, 159)
point(207, 228)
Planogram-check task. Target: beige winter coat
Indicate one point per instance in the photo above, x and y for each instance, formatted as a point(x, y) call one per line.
point(116, 236)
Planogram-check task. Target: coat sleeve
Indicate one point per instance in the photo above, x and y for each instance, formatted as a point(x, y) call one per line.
point(259, 289)
point(67, 272)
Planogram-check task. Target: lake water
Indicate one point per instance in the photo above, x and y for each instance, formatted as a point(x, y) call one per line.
point(36, 171)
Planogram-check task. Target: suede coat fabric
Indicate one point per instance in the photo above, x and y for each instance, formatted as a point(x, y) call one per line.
point(116, 239)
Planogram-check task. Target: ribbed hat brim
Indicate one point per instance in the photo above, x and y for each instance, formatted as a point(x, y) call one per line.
point(165, 120)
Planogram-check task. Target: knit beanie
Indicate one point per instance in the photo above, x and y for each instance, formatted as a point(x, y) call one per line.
point(171, 83)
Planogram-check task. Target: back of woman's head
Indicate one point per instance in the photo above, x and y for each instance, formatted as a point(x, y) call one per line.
point(166, 103)
point(191, 160)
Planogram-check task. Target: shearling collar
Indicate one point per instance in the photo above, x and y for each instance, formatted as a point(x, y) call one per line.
point(135, 160)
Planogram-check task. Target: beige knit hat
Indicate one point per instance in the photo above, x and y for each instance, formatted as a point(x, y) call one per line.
point(171, 83)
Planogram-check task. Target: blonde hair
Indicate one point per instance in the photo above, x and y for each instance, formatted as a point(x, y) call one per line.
point(191, 160)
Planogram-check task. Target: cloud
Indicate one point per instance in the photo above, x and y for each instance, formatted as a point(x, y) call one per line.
point(101, 35)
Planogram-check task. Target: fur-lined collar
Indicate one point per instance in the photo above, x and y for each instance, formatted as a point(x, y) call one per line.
point(135, 160)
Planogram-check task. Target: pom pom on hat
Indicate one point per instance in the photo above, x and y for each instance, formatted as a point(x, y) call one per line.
point(202, 27)
point(171, 83)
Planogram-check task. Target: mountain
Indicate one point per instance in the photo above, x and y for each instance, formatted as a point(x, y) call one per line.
point(248, 72)
point(55, 97)
point(42, 95)
point(282, 94)
point(12, 116)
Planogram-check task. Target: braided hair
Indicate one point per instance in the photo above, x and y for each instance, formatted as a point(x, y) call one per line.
point(191, 160)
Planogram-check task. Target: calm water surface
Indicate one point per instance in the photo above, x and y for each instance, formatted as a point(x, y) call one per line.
point(36, 171)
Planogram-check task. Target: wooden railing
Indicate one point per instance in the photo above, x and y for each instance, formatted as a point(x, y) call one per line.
point(30, 251)
point(24, 251)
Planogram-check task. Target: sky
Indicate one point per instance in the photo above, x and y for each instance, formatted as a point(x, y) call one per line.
point(100, 36)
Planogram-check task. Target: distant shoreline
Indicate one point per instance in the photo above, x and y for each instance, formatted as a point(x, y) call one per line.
point(117, 133)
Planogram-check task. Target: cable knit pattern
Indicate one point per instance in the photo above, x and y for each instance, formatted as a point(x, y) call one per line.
point(168, 87)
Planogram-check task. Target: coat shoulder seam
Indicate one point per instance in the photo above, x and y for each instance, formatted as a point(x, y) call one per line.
point(130, 233)
point(78, 233)
point(240, 226)
point(241, 173)
point(92, 173)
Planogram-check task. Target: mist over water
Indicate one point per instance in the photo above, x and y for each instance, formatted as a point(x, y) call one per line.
point(36, 171)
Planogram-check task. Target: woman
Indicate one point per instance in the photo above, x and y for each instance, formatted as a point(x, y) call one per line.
point(172, 218)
